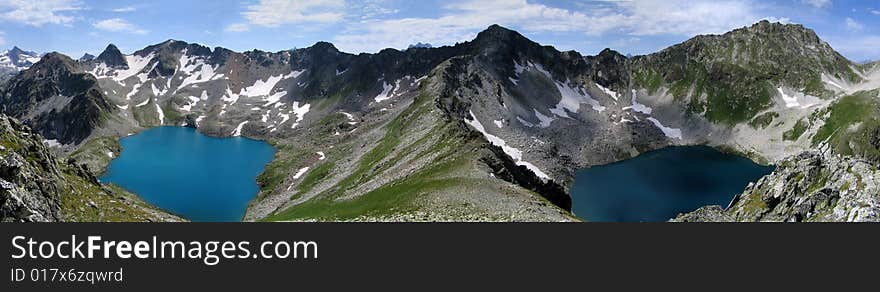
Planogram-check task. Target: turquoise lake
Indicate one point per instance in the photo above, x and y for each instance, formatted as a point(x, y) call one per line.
point(198, 177)
point(656, 186)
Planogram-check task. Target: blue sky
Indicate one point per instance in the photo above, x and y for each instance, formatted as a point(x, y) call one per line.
point(74, 27)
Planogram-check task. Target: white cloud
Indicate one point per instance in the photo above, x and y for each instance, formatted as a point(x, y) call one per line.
point(370, 9)
point(858, 48)
point(783, 20)
point(461, 21)
point(853, 25)
point(118, 25)
point(684, 17)
point(238, 27)
point(817, 3)
point(273, 13)
point(125, 9)
point(875, 11)
point(38, 13)
point(2, 40)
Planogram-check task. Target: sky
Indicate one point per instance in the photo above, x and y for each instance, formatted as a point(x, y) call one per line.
point(74, 27)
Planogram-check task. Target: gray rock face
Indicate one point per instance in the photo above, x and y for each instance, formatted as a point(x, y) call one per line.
point(815, 186)
point(112, 57)
point(86, 57)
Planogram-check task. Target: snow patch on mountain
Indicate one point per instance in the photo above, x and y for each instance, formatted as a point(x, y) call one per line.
point(160, 113)
point(674, 133)
point(136, 64)
point(797, 99)
point(145, 102)
point(295, 74)
point(524, 122)
point(52, 143)
point(571, 100)
point(275, 98)
point(385, 94)
point(517, 68)
point(544, 121)
point(230, 96)
point(607, 91)
point(284, 117)
point(790, 101)
point(260, 87)
point(571, 97)
point(237, 131)
point(300, 172)
point(192, 102)
point(636, 106)
point(350, 117)
point(134, 90)
point(514, 153)
point(300, 112)
point(189, 65)
point(158, 92)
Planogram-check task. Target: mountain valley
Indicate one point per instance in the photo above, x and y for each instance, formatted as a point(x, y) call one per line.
point(493, 129)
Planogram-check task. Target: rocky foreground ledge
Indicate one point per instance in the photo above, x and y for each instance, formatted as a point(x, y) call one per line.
point(814, 186)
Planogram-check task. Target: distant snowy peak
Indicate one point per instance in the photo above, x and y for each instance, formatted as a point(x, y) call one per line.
point(16, 59)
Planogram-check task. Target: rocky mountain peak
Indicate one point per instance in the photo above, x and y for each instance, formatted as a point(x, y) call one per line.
point(19, 59)
point(54, 61)
point(87, 57)
point(174, 47)
point(765, 26)
point(496, 36)
point(609, 68)
point(15, 51)
point(497, 31)
point(324, 47)
point(112, 57)
point(504, 45)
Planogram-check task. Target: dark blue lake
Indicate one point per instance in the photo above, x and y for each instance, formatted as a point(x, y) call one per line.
point(198, 177)
point(658, 185)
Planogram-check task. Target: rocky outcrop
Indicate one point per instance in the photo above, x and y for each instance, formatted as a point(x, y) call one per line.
point(29, 176)
point(815, 186)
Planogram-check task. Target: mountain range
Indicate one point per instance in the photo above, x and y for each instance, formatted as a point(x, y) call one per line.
point(487, 130)
point(15, 60)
